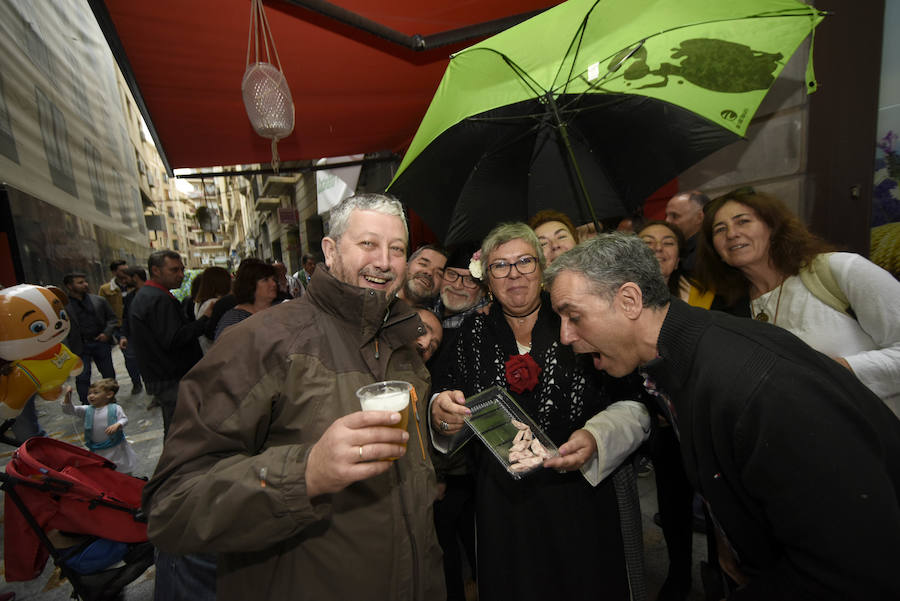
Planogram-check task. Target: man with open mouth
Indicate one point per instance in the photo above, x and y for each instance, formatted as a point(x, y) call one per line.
point(795, 458)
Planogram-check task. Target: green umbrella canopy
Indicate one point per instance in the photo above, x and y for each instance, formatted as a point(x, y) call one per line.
point(715, 58)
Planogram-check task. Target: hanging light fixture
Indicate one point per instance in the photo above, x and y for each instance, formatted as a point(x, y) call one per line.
point(267, 96)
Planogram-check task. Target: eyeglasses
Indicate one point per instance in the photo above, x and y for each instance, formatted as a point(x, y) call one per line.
point(524, 265)
point(467, 280)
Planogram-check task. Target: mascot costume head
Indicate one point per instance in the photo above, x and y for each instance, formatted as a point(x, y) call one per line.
point(33, 325)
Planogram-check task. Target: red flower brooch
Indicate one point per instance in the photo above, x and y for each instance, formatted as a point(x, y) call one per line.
point(522, 373)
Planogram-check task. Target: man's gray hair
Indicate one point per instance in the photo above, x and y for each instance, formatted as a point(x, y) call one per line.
point(611, 260)
point(505, 232)
point(339, 219)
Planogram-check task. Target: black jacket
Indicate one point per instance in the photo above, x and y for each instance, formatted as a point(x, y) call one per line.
point(105, 316)
point(164, 341)
point(689, 256)
point(798, 460)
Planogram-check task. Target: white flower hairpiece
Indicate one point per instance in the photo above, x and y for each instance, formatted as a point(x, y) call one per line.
point(475, 265)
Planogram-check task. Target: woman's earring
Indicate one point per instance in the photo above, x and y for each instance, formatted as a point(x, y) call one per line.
point(490, 296)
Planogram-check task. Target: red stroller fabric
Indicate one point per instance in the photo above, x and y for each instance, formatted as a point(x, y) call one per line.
point(78, 479)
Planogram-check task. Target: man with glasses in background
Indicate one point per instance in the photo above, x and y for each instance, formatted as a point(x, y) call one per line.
point(461, 294)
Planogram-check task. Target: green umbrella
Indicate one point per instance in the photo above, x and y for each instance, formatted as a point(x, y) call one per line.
point(594, 81)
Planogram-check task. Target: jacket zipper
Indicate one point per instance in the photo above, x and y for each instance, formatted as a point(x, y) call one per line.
point(384, 323)
point(387, 313)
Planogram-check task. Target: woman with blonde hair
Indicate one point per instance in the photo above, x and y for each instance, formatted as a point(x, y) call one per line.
point(562, 532)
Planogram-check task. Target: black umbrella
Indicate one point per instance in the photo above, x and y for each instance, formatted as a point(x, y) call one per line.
point(509, 163)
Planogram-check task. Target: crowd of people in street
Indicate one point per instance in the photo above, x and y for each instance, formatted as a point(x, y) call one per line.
point(756, 369)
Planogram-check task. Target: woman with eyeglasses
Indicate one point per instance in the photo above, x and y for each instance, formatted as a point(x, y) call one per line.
point(667, 243)
point(557, 532)
point(761, 258)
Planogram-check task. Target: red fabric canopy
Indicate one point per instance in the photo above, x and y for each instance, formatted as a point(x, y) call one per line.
point(353, 92)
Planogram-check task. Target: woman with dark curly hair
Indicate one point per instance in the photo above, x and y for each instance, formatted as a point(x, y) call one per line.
point(254, 289)
point(761, 258)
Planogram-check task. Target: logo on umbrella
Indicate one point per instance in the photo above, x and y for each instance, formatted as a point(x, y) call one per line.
point(708, 63)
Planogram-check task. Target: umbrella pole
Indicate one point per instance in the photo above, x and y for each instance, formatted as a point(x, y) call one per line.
point(564, 133)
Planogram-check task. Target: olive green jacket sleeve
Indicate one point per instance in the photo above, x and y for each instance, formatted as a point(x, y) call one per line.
point(218, 473)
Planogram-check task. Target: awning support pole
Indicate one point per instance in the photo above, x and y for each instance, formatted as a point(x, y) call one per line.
point(416, 42)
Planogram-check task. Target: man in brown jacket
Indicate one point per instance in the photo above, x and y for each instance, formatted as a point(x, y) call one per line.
point(270, 463)
point(114, 290)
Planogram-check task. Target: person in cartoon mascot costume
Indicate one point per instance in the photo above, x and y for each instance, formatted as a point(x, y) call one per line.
point(33, 325)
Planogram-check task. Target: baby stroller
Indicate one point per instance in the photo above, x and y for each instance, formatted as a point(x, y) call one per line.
point(54, 486)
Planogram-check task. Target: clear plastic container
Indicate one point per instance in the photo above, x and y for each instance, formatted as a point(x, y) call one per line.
point(493, 412)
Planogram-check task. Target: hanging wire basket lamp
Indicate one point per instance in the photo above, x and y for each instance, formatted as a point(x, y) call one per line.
point(264, 88)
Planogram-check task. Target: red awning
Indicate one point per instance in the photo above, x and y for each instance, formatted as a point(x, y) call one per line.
point(353, 92)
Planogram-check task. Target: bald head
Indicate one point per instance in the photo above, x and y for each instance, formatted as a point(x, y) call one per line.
point(685, 211)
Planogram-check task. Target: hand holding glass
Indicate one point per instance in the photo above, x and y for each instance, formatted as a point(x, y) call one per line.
point(392, 395)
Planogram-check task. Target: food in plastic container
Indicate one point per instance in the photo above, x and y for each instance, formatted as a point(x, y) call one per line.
point(512, 436)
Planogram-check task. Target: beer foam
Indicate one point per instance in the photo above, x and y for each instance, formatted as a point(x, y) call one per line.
point(386, 401)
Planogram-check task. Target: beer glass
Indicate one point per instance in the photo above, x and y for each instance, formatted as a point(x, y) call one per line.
point(392, 395)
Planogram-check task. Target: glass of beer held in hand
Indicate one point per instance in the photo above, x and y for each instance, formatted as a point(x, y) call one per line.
point(392, 395)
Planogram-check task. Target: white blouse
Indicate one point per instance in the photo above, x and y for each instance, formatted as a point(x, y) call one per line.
point(870, 343)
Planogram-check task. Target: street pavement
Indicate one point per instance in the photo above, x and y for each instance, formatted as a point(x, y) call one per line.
point(144, 431)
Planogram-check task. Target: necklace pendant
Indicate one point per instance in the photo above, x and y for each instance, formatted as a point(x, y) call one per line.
point(762, 316)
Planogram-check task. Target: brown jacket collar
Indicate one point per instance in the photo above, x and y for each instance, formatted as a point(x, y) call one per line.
point(376, 314)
